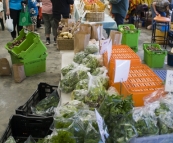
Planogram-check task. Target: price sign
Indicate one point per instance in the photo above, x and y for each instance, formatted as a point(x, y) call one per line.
point(169, 81)
point(100, 123)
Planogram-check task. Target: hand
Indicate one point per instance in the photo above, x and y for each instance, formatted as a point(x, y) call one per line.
point(7, 12)
point(157, 13)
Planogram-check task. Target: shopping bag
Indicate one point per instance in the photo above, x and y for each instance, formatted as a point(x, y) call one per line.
point(4, 67)
point(96, 31)
point(18, 72)
point(24, 17)
point(9, 24)
point(116, 37)
point(85, 28)
point(81, 40)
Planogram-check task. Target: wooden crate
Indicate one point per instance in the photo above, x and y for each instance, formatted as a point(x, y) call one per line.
point(95, 16)
point(65, 44)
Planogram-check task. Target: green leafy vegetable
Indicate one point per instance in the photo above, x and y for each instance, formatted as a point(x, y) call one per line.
point(66, 69)
point(91, 49)
point(78, 57)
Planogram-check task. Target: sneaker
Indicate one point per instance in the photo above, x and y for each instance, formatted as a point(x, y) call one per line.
point(47, 41)
point(149, 27)
point(55, 42)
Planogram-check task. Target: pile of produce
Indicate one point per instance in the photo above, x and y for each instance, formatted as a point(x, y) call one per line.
point(153, 48)
point(47, 105)
point(126, 28)
point(16, 42)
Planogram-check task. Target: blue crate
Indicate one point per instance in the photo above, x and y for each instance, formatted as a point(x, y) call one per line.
point(161, 74)
point(167, 138)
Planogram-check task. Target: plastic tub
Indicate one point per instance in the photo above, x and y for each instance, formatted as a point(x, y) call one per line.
point(43, 90)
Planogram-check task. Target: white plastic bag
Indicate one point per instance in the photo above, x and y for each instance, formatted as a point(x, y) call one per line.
point(9, 24)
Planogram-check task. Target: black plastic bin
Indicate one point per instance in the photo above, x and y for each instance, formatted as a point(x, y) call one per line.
point(42, 91)
point(21, 127)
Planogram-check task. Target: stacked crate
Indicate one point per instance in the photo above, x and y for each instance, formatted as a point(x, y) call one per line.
point(31, 52)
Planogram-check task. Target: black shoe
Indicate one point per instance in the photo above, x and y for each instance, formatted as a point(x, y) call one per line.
point(47, 41)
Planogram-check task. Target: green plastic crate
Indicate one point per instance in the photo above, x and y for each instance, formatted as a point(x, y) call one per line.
point(35, 66)
point(128, 38)
point(154, 59)
point(21, 35)
point(31, 48)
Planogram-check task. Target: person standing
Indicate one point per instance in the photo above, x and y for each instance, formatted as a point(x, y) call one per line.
point(13, 9)
point(1, 15)
point(60, 8)
point(119, 10)
point(33, 10)
point(47, 18)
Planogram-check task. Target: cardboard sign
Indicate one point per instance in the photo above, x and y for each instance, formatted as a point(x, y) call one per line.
point(169, 81)
point(121, 70)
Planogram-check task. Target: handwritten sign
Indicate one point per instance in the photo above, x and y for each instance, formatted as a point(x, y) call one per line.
point(100, 122)
point(169, 81)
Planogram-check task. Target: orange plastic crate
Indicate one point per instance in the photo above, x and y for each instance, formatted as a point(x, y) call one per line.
point(141, 82)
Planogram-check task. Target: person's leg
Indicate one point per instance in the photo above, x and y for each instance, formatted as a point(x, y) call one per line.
point(55, 29)
point(47, 26)
point(119, 19)
point(38, 20)
point(2, 23)
point(13, 15)
point(19, 28)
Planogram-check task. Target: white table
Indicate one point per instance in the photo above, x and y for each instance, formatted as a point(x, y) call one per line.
point(107, 23)
point(66, 59)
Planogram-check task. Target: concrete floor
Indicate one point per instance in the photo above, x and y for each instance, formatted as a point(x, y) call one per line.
point(12, 94)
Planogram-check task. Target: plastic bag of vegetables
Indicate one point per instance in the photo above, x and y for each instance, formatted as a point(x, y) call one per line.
point(100, 71)
point(91, 48)
point(47, 105)
point(66, 69)
point(79, 94)
point(78, 57)
point(82, 84)
point(144, 124)
point(93, 61)
point(73, 77)
point(62, 123)
point(86, 116)
point(92, 134)
point(30, 140)
point(96, 92)
point(10, 139)
point(123, 131)
point(70, 109)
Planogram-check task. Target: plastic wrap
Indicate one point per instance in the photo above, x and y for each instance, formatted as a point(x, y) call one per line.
point(96, 92)
point(91, 49)
point(124, 131)
point(10, 140)
point(99, 71)
point(68, 68)
point(145, 123)
point(82, 84)
point(155, 96)
point(62, 123)
point(78, 57)
point(79, 94)
point(46, 106)
point(112, 91)
point(30, 140)
point(70, 109)
point(86, 116)
point(73, 77)
point(92, 134)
